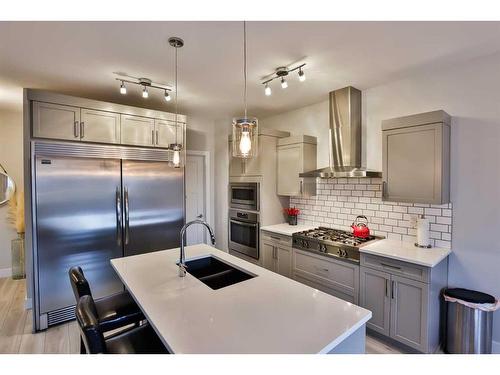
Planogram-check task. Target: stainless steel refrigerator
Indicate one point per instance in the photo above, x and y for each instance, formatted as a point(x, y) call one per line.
point(92, 204)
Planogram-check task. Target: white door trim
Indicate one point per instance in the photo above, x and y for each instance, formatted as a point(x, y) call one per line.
point(208, 181)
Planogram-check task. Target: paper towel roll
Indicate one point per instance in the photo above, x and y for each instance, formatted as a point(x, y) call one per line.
point(423, 237)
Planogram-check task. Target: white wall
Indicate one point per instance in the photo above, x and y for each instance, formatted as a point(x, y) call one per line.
point(470, 94)
point(11, 156)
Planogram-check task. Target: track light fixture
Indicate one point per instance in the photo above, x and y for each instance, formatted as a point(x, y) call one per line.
point(280, 73)
point(146, 84)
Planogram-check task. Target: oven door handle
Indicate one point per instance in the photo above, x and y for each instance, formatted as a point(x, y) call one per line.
point(250, 225)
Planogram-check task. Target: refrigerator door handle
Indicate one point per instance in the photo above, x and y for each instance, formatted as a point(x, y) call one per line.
point(127, 227)
point(119, 224)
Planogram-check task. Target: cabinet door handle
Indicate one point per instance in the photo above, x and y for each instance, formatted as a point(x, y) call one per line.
point(76, 131)
point(387, 287)
point(157, 137)
point(301, 187)
point(275, 238)
point(384, 189)
point(393, 286)
point(275, 253)
point(152, 137)
point(82, 130)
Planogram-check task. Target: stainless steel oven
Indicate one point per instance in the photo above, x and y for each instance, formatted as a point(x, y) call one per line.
point(244, 195)
point(244, 232)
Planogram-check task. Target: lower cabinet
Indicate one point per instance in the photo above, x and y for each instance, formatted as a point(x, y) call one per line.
point(403, 308)
point(276, 253)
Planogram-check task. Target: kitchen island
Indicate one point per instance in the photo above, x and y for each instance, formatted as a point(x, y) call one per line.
point(268, 313)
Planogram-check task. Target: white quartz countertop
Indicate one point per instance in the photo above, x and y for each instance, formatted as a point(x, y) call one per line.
point(266, 314)
point(287, 229)
point(406, 252)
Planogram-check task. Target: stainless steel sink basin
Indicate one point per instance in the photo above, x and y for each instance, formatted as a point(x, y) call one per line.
point(216, 273)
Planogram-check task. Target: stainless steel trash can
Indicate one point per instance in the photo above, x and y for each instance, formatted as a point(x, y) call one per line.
point(469, 329)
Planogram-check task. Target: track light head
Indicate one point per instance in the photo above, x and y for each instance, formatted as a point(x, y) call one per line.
point(302, 76)
point(145, 93)
point(123, 89)
point(267, 90)
point(284, 83)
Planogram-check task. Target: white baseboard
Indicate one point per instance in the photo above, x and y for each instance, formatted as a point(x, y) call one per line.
point(5, 272)
point(495, 347)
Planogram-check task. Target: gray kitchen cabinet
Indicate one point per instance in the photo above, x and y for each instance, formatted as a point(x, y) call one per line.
point(276, 251)
point(416, 158)
point(136, 130)
point(165, 133)
point(409, 299)
point(404, 299)
point(236, 165)
point(375, 296)
point(56, 121)
point(99, 126)
point(296, 154)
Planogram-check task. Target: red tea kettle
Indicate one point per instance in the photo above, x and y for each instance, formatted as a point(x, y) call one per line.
point(359, 228)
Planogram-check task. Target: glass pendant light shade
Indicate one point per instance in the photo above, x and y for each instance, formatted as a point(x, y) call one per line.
point(176, 157)
point(245, 137)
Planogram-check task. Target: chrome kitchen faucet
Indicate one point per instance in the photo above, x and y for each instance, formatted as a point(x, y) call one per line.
point(182, 260)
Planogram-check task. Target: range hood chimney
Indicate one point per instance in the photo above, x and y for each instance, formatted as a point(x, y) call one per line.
point(344, 137)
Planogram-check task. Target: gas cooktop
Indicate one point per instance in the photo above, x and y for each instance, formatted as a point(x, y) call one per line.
point(333, 242)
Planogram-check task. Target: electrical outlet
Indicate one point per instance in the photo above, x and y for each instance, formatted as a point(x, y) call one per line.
point(413, 220)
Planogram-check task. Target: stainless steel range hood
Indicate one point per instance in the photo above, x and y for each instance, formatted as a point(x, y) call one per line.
point(345, 137)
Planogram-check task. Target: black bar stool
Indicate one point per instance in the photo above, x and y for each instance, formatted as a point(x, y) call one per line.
point(112, 312)
point(138, 340)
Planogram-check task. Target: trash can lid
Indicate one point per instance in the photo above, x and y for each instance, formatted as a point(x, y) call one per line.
point(469, 295)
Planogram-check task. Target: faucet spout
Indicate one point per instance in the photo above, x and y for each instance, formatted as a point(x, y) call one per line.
point(182, 256)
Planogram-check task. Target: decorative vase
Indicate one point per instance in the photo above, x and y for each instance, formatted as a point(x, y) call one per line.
point(292, 219)
point(17, 248)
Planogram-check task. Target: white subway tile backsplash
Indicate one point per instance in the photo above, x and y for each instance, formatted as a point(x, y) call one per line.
point(340, 200)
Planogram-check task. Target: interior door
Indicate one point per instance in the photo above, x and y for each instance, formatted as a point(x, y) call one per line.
point(99, 126)
point(195, 197)
point(77, 225)
point(153, 196)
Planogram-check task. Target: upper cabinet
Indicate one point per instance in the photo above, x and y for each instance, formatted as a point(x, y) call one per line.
point(56, 121)
point(296, 154)
point(76, 122)
point(416, 158)
point(99, 126)
point(139, 131)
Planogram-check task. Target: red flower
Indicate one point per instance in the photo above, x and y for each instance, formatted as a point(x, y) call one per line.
point(292, 211)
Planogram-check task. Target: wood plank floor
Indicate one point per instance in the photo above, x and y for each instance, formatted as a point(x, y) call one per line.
point(16, 325)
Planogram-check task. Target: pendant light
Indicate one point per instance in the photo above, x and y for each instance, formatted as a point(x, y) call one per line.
point(176, 147)
point(245, 129)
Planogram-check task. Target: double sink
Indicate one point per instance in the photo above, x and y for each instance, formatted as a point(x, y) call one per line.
point(216, 273)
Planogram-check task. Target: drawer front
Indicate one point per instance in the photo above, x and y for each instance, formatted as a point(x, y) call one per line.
point(278, 239)
point(323, 288)
point(396, 267)
point(339, 275)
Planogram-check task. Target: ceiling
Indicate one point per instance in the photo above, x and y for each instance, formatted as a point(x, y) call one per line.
point(79, 58)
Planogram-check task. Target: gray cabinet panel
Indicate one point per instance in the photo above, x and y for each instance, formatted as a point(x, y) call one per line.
point(415, 160)
point(284, 260)
point(267, 252)
point(375, 296)
point(56, 121)
point(409, 301)
point(137, 130)
point(99, 126)
point(165, 133)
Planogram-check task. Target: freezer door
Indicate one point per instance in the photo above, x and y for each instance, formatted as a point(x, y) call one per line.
point(77, 225)
point(153, 206)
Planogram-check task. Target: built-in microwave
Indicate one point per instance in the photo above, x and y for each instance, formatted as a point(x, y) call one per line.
point(244, 195)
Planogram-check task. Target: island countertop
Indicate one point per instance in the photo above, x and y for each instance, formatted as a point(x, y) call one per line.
point(287, 229)
point(266, 314)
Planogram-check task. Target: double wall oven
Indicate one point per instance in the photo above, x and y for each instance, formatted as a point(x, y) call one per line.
point(244, 218)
